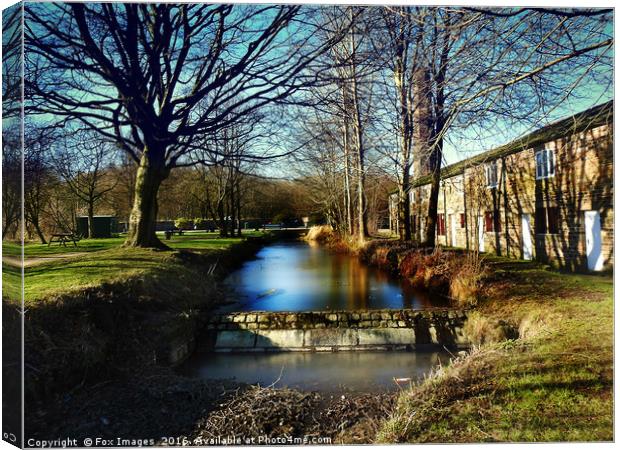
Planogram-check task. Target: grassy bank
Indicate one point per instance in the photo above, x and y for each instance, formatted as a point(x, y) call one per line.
point(553, 383)
point(107, 311)
point(52, 270)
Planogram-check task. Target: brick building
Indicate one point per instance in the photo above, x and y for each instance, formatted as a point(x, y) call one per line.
point(546, 196)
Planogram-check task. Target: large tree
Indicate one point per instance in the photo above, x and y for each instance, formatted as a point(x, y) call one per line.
point(158, 77)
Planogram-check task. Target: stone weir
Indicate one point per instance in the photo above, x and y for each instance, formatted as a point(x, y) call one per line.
point(402, 329)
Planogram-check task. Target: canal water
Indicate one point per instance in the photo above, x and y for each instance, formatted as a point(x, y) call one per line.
point(325, 372)
point(295, 276)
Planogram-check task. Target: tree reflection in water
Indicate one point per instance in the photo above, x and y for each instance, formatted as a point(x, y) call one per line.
point(301, 277)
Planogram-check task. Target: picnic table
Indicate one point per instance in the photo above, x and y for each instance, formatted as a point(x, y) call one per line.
point(63, 238)
point(170, 233)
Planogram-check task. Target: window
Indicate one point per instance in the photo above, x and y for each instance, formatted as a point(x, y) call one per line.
point(462, 220)
point(491, 170)
point(547, 220)
point(441, 225)
point(411, 197)
point(492, 221)
point(545, 164)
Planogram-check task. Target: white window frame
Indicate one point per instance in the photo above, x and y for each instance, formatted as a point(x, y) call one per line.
point(491, 184)
point(545, 163)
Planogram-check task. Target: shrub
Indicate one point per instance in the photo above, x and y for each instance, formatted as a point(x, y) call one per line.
point(535, 322)
point(466, 281)
point(411, 263)
point(320, 233)
point(459, 277)
point(183, 224)
point(480, 329)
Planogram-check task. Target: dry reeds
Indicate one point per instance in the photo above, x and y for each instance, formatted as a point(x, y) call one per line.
point(320, 233)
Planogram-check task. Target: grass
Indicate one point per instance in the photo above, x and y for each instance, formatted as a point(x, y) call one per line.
point(99, 261)
point(190, 240)
point(554, 383)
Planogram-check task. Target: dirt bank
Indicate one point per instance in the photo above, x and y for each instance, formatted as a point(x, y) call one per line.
point(109, 332)
point(160, 407)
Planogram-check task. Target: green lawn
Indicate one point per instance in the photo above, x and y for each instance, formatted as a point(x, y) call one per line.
point(102, 260)
point(190, 240)
point(554, 383)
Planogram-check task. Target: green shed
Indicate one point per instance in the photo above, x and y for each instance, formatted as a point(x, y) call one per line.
point(104, 226)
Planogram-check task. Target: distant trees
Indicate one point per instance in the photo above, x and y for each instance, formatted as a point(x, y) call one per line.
point(399, 46)
point(156, 77)
point(38, 179)
point(82, 160)
point(11, 121)
point(11, 179)
point(336, 131)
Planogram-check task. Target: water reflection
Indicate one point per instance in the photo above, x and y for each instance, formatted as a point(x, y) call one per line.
point(297, 277)
point(326, 372)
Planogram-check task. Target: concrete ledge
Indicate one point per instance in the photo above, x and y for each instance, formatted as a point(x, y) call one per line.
point(280, 338)
point(235, 339)
point(386, 336)
point(341, 337)
point(338, 330)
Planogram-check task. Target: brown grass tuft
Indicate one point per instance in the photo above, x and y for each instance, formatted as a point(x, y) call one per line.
point(320, 233)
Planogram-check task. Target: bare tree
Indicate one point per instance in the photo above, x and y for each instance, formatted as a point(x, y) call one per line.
point(346, 104)
point(11, 123)
point(11, 180)
point(157, 77)
point(82, 163)
point(471, 66)
point(398, 42)
point(38, 177)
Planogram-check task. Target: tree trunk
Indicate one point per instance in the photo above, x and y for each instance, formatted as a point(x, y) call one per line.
point(37, 228)
point(404, 211)
point(362, 215)
point(404, 205)
point(238, 208)
point(345, 144)
point(222, 218)
point(433, 201)
point(361, 199)
point(142, 220)
point(91, 220)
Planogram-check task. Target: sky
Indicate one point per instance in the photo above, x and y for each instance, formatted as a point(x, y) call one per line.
point(472, 140)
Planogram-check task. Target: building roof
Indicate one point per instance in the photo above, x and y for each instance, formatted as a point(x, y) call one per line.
point(585, 120)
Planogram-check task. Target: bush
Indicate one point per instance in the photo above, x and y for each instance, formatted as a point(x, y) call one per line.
point(466, 282)
point(183, 224)
point(481, 330)
point(449, 273)
point(320, 233)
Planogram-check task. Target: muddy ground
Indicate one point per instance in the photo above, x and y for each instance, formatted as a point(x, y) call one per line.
point(167, 408)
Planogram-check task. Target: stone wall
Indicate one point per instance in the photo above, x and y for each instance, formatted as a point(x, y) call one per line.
point(337, 330)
